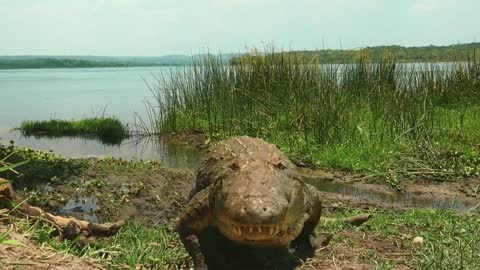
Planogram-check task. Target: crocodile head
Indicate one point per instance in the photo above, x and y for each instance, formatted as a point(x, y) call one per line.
point(260, 206)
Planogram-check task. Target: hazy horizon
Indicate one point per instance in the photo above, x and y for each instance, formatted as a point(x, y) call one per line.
point(221, 52)
point(149, 28)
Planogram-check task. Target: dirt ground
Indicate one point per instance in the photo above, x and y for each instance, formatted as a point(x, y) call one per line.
point(154, 196)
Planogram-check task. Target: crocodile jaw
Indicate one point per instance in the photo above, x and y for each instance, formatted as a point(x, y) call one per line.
point(265, 235)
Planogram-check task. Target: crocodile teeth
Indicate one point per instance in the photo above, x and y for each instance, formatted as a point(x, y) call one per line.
point(265, 230)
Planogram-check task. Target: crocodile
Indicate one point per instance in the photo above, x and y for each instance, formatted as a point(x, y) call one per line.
point(248, 189)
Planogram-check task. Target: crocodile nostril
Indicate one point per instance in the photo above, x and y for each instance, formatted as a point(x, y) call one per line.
point(265, 209)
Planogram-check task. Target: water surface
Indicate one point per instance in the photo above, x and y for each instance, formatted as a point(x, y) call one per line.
point(42, 94)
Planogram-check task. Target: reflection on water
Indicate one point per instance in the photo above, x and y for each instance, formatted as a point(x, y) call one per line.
point(104, 140)
point(86, 206)
point(169, 153)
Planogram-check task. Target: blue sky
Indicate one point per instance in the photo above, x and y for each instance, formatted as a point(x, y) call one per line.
point(161, 27)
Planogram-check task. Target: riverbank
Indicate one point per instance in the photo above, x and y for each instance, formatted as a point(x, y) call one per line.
point(151, 196)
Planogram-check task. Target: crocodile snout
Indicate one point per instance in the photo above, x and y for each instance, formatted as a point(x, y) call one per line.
point(258, 210)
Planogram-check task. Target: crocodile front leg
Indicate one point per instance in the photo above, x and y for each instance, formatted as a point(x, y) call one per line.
point(195, 218)
point(314, 207)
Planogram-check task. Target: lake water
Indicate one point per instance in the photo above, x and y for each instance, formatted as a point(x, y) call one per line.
point(42, 94)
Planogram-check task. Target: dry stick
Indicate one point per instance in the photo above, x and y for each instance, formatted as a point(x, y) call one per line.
point(334, 263)
point(473, 208)
point(69, 228)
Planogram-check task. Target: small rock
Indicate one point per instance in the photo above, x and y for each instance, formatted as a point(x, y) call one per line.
point(418, 240)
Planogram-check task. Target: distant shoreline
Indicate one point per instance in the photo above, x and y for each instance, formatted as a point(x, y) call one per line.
point(426, 54)
point(451, 53)
point(50, 63)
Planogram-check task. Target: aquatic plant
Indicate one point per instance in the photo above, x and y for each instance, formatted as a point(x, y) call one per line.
point(109, 130)
point(40, 167)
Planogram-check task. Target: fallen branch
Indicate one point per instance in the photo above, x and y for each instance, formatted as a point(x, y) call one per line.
point(354, 221)
point(69, 228)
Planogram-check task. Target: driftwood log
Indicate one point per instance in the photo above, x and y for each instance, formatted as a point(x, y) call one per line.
point(69, 228)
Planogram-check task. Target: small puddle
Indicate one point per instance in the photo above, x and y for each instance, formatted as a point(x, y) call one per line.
point(398, 199)
point(84, 206)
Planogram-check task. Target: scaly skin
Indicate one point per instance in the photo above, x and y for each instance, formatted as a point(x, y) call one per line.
point(248, 190)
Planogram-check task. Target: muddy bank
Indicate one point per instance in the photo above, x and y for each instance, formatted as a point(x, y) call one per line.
point(148, 192)
point(112, 189)
point(152, 195)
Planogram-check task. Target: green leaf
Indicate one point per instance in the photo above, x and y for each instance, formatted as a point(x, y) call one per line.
point(13, 242)
point(9, 167)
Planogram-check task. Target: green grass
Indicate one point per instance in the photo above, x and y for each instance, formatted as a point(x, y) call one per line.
point(450, 239)
point(107, 129)
point(153, 248)
point(374, 117)
point(132, 247)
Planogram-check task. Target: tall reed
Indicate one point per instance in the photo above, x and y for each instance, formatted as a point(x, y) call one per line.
point(304, 104)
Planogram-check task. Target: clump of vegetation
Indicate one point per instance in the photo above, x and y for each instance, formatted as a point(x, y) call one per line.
point(42, 167)
point(383, 118)
point(109, 130)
